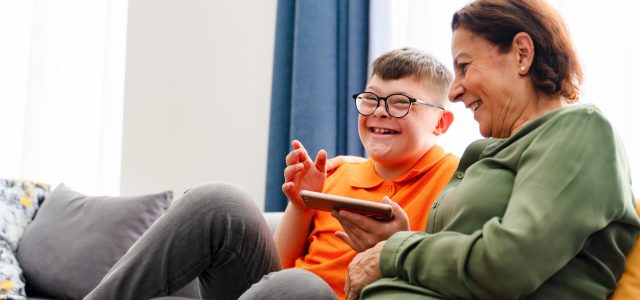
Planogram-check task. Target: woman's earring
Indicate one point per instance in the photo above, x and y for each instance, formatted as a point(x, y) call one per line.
point(522, 68)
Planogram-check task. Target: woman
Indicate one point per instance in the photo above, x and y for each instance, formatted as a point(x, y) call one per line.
point(545, 209)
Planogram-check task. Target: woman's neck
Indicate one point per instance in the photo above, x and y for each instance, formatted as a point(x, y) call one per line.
point(536, 108)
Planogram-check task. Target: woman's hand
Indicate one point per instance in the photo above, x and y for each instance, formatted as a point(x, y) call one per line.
point(363, 270)
point(362, 232)
point(302, 173)
point(337, 161)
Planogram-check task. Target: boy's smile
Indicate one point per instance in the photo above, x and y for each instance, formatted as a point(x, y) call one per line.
point(398, 143)
point(379, 128)
point(383, 131)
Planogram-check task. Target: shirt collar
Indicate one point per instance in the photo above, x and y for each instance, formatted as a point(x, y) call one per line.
point(368, 178)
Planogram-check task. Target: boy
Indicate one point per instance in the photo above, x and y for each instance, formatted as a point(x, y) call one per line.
point(216, 233)
point(402, 112)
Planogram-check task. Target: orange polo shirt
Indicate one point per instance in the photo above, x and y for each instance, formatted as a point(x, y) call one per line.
point(327, 255)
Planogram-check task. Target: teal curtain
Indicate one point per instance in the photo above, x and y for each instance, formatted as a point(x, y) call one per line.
point(320, 60)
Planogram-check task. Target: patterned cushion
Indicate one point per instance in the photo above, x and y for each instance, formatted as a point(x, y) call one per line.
point(19, 201)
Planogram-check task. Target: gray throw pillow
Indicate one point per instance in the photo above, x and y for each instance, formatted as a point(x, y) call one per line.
point(75, 239)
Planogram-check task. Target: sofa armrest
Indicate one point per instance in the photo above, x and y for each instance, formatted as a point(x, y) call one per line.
point(273, 218)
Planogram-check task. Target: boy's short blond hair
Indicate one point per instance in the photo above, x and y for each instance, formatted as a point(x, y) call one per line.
point(410, 62)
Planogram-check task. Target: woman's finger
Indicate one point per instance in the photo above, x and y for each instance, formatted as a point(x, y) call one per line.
point(354, 236)
point(362, 222)
point(347, 240)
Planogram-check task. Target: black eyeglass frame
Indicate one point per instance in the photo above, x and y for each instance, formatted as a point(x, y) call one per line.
point(386, 105)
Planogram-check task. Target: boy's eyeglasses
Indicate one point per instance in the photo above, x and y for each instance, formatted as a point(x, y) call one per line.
point(396, 105)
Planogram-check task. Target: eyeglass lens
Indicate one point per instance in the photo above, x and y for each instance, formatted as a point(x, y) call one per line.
point(396, 105)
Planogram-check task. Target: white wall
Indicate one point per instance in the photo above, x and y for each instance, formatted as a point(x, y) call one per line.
point(197, 94)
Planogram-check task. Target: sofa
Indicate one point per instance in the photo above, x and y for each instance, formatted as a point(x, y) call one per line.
point(58, 243)
point(65, 241)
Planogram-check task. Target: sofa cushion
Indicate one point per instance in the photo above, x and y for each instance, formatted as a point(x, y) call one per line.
point(273, 219)
point(629, 283)
point(75, 239)
point(19, 201)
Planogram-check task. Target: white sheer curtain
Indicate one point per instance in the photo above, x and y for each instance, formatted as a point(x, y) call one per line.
point(604, 37)
point(61, 91)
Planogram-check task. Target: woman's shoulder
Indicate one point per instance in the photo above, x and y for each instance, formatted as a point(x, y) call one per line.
point(574, 120)
point(578, 112)
point(574, 126)
point(583, 120)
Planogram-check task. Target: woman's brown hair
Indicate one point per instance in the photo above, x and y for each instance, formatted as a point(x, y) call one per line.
point(555, 69)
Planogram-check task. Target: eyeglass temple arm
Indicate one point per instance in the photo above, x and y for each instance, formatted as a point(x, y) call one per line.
point(430, 104)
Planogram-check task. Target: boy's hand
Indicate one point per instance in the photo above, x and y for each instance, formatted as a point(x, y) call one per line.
point(362, 232)
point(302, 173)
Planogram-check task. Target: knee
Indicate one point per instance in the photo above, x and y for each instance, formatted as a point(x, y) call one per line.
point(221, 197)
point(290, 284)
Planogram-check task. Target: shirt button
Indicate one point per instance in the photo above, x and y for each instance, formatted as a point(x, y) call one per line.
point(388, 188)
point(459, 174)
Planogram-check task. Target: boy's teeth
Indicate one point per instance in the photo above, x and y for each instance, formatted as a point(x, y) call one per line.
point(382, 131)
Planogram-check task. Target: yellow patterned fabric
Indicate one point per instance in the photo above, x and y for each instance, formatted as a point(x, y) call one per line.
point(629, 283)
point(19, 201)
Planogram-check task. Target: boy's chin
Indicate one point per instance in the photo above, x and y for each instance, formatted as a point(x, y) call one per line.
point(382, 156)
point(379, 151)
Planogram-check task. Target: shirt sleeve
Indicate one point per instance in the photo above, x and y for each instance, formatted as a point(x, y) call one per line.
point(570, 183)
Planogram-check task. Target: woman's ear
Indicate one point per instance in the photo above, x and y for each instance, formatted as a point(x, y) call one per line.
point(524, 51)
point(443, 123)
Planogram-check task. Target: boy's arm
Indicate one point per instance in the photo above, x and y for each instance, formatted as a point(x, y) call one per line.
point(291, 234)
point(301, 173)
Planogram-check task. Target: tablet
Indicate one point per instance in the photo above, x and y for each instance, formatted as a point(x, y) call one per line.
point(328, 202)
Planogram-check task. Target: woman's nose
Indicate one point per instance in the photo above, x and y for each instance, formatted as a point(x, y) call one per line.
point(456, 91)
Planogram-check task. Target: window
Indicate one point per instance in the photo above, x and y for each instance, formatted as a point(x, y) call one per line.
point(61, 91)
point(603, 35)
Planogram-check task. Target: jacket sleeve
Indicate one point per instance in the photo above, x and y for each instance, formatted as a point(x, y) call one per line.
point(570, 183)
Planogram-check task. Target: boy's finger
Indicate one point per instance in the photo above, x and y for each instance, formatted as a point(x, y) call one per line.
point(291, 171)
point(292, 157)
point(296, 144)
point(321, 161)
point(287, 188)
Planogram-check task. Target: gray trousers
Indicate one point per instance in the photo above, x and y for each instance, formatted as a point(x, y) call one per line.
point(214, 233)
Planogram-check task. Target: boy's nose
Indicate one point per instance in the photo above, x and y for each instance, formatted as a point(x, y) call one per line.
point(381, 111)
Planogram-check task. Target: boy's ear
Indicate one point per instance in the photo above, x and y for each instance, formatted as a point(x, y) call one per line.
point(444, 123)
